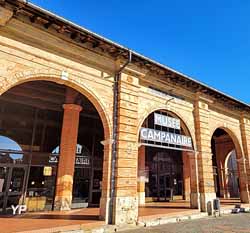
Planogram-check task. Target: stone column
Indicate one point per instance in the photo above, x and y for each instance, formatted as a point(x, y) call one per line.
point(126, 200)
point(141, 175)
point(204, 156)
point(66, 166)
point(244, 162)
point(186, 175)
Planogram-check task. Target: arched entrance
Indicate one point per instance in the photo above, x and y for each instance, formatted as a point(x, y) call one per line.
point(232, 178)
point(228, 166)
point(59, 132)
point(164, 173)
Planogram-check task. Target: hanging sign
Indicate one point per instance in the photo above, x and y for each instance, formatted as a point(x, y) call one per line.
point(82, 160)
point(79, 160)
point(165, 137)
point(167, 121)
point(82, 155)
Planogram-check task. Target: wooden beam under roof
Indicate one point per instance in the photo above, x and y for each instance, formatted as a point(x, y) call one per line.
point(38, 94)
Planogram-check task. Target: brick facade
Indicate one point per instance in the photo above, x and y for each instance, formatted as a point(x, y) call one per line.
point(29, 53)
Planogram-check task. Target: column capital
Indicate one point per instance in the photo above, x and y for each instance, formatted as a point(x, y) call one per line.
point(74, 107)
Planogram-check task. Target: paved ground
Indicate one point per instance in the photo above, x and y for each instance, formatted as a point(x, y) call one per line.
point(46, 221)
point(228, 224)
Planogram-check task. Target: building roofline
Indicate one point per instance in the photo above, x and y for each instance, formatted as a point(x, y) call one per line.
point(135, 54)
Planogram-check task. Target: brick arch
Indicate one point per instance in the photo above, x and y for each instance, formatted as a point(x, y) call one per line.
point(234, 138)
point(55, 76)
point(243, 179)
point(186, 125)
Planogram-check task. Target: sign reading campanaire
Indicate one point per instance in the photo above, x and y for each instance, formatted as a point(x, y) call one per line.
point(163, 136)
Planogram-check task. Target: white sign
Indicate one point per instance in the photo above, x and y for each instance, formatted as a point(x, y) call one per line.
point(82, 160)
point(79, 160)
point(166, 121)
point(165, 137)
point(18, 209)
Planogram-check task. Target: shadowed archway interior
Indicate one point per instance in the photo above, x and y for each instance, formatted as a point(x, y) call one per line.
point(225, 165)
point(163, 169)
point(32, 115)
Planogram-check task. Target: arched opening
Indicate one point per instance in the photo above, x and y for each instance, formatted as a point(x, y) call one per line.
point(164, 174)
point(32, 114)
point(226, 154)
point(232, 177)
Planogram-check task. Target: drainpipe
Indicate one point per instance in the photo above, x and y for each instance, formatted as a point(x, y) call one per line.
point(117, 78)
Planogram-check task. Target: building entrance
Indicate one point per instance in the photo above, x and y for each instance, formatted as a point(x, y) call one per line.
point(164, 168)
point(165, 181)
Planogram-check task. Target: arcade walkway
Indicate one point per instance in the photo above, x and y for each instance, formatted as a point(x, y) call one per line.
point(49, 222)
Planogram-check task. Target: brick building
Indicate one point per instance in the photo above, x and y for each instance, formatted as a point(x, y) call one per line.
point(87, 122)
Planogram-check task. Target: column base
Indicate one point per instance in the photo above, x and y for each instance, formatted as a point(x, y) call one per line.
point(244, 196)
point(126, 210)
point(206, 202)
point(187, 196)
point(62, 204)
point(194, 200)
point(104, 208)
point(141, 198)
point(63, 198)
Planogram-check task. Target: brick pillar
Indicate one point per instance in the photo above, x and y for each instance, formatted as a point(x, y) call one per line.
point(220, 175)
point(66, 166)
point(141, 175)
point(225, 180)
point(194, 189)
point(204, 156)
point(186, 175)
point(126, 201)
point(244, 162)
point(105, 198)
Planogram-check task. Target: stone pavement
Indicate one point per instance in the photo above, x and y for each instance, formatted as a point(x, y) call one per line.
point(238, 223)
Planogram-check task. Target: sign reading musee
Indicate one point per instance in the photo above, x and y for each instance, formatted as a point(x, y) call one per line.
point(165, 137)
point(166, 121)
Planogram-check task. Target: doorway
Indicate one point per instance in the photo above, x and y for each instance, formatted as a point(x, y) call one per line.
point(165, 168)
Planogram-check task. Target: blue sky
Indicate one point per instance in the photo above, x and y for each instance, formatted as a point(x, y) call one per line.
point(207, 40)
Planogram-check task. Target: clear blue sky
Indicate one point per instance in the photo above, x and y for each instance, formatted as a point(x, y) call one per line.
point(207, 40)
